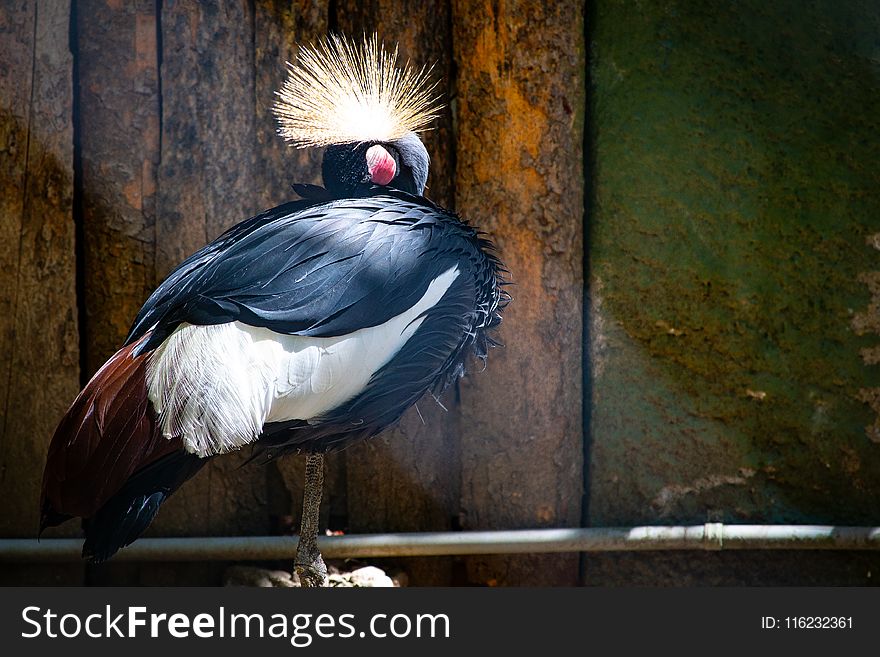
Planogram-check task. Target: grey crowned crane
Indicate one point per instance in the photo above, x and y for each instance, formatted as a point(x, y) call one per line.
point(301, 330)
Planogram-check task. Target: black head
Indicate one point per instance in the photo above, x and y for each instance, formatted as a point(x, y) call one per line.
point(401, 164)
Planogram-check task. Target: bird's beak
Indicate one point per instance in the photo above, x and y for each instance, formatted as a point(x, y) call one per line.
point(381, 165)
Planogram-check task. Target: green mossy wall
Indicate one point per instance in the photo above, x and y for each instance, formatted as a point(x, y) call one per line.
point(733, 249)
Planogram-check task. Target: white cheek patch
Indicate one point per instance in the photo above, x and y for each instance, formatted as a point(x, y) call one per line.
point(216, 386)
point(381, 165)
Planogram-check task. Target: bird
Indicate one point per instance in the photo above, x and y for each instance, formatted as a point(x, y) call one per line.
point(301, 330)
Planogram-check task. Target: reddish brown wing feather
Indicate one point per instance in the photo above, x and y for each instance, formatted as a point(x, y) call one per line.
point(108, 434)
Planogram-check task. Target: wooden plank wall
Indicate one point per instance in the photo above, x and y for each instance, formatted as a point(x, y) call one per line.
point(176, 143)
point(519, 175)
point(39, 371)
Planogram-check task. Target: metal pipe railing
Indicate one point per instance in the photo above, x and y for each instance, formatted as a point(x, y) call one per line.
point(710, 536)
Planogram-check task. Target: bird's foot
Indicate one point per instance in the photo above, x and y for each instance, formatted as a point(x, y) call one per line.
point(312, 572)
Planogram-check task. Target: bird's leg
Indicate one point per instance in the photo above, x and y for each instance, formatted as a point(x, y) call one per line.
point(309, 565)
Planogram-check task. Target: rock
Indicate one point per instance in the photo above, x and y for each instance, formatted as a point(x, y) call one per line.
point(360, 577)
point(368, 576)
point(253, 576)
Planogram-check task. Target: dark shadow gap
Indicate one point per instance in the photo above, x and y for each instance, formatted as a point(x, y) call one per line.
point(79, 244)
point(332, 17)
point(589, 160)
point(77, 209)
point(452, 91)
point(159, 101)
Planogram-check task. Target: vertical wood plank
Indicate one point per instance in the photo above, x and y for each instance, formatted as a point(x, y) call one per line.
point(206, 183)
point(119, 128)
point(408, 479)
point(280, 27)
point(40, 373)
point(519, 175)
point(17, 22)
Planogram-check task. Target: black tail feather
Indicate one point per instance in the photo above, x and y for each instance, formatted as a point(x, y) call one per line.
point(130, 511)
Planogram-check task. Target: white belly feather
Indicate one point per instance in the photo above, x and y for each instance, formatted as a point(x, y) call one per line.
point(215, 386)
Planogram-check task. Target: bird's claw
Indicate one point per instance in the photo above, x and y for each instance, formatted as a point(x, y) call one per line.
point(312, 573)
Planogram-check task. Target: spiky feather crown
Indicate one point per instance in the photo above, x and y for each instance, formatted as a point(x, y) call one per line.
point(339, 92)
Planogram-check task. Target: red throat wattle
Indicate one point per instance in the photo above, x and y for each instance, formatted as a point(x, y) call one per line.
point(381, 165)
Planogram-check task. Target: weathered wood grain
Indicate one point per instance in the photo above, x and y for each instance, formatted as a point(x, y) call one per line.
point(16, 81)
point(279, 28)
point(119, 137)
point(519, 175)
point(178, 143)
point(38, 315)
point(408, 479)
